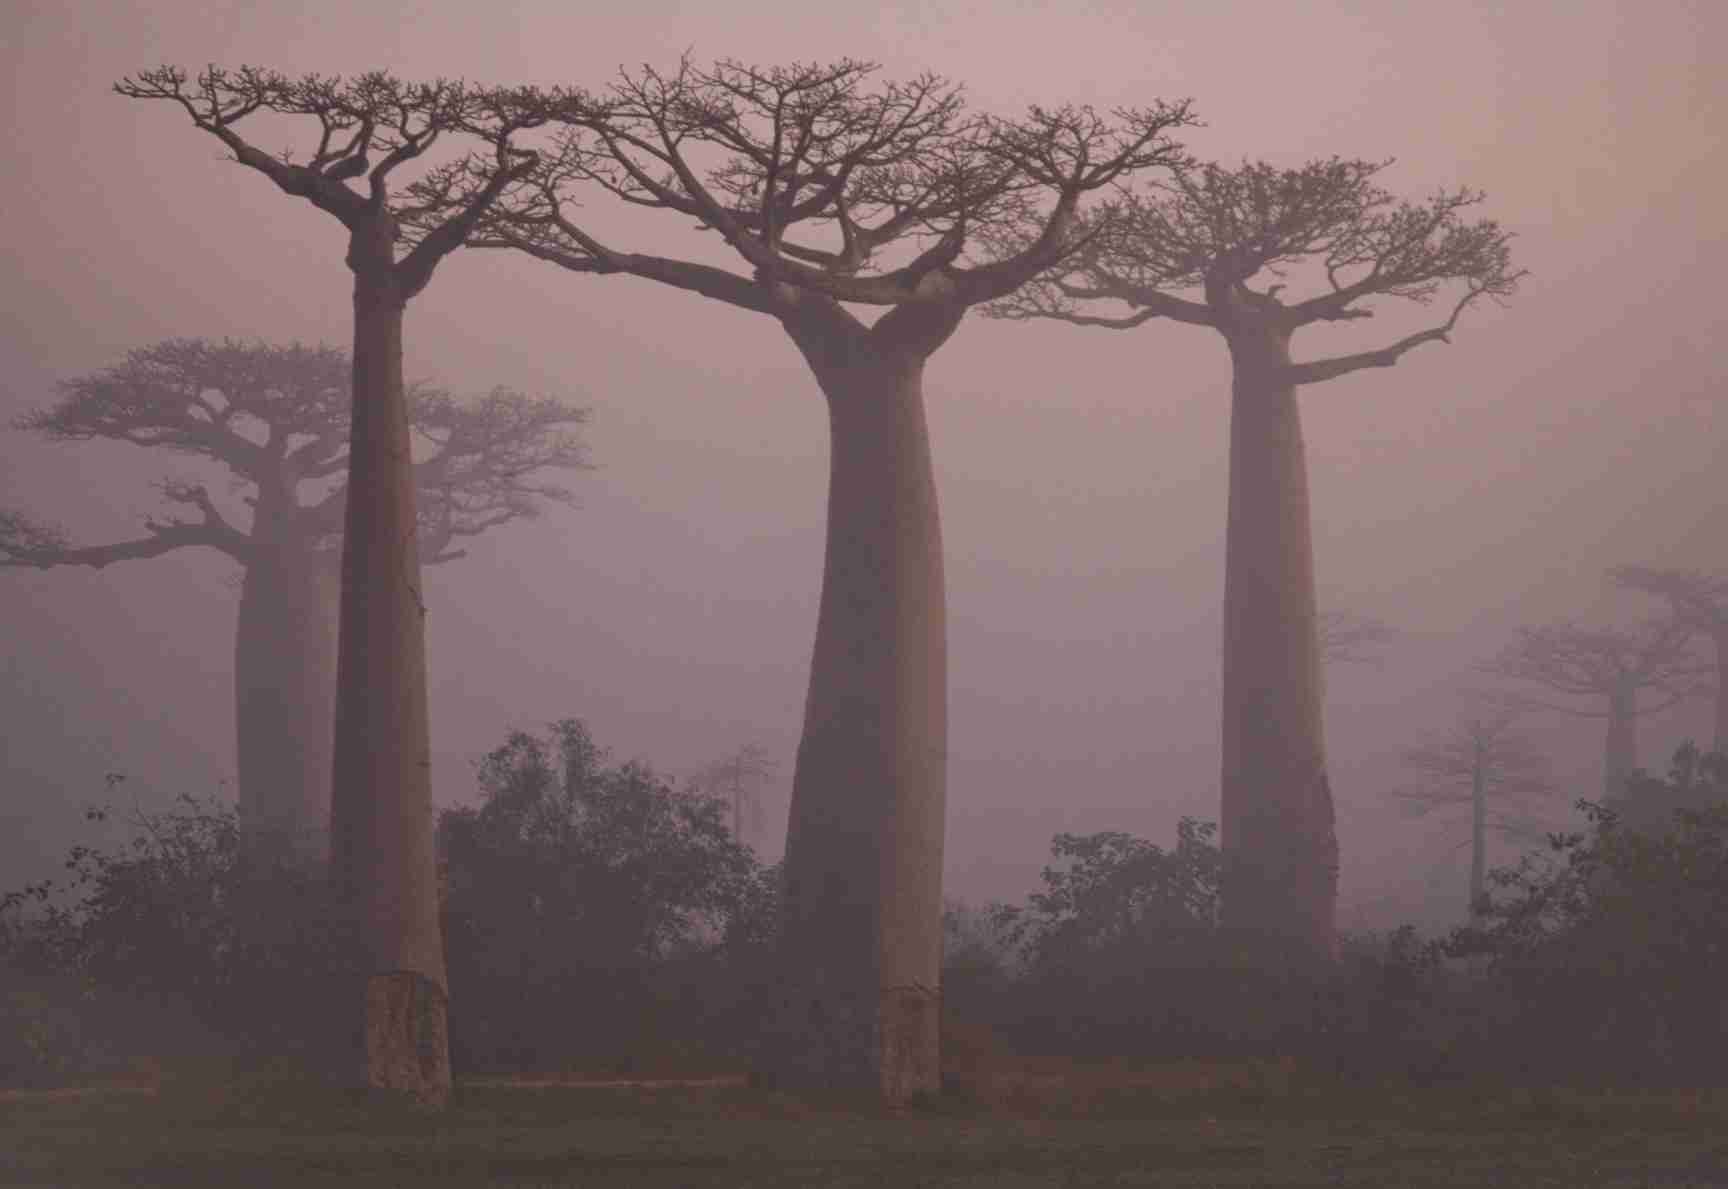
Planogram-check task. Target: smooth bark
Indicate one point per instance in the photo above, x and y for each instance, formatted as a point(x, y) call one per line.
point(862, 944)
point(1478, 833)
point(383, 861)
point(1277, 831)
point(284, 702)
point(1720, 638)
point(1620, 744)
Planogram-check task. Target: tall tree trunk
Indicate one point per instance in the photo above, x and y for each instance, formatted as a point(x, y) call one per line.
point(1720, 637)
point(1478, 836)
point(862, 938)
point(1278, 835)
point(384, 864)
point(284, 702)
point(1620, 748)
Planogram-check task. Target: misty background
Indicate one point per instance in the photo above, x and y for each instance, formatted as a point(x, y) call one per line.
point(1473, 488)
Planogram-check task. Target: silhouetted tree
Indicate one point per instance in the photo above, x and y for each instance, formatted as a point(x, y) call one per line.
point(1610, 667)
point(276, 418)
point(569, 886)
point(365, 129)
point(1346, 638)
point(1213, 231)
point(1481, 763)
point(738, 780)
point(771, 158)
point(1701, 601)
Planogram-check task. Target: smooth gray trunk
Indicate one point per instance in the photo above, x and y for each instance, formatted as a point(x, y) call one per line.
point(859, 996)
point(1478, 835)
point(284, 702)
point(1720, 637)
point(383, 860)
point(1620, 748)
point(1277, 830)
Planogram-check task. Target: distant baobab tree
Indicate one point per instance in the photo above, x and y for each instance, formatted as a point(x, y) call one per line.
point(1346, 638)
point(810, 174)
point(1699, 600)
point(738, 780)
point(1211, 232)
point(1607, 669)
point(276, 418)
point(1483, 762)
point(365, 129)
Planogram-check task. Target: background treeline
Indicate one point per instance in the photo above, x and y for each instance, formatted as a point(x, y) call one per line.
point(601, 917)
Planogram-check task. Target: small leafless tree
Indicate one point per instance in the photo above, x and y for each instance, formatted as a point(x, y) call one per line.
point(1347, 638)
point(1485, 764)
point(840, 194)
point(1213, 246)
point(367, 130)
point(1607, 670)
point(1700, 601)
point(276, 419)
point(739, 779)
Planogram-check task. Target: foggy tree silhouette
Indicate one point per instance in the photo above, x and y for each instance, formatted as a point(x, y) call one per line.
point(1611, 667)
point(364, 129)
point(1346, 638)
point(810, 174)
point(737, 779)
point(1210, 231)
point(1701, 601)
point(1483, 758)
point(276, 418)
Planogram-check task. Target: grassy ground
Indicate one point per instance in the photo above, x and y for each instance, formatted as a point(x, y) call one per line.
point(1176, 1126)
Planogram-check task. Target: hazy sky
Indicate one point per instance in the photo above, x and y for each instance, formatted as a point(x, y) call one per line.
point(1474, 487)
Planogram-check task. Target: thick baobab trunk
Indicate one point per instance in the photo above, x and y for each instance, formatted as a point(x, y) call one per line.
point(862, 941)
point(1278, 836)
point(1478, 835)
point(1620, 749)
point(284, 703)
point(383, 861)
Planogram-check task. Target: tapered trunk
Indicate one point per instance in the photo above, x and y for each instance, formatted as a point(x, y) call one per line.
point(1620, 748)
point(284, 702)
point(1478, 837)
point(862, 944)
point(1278, 836)
point(383, 862)
point(1720, 745)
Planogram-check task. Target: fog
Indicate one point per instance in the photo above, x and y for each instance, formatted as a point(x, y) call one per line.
point(1475, 487)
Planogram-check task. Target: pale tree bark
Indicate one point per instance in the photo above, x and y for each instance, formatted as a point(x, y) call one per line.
point(1620, 740)
point(859, 1004)
point(1278, 830)
point(284, 702)
point(1478, 834)
point(1720, 638)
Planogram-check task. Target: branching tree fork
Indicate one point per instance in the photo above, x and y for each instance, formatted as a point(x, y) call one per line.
point(837, 191)
point(276, 418)
point(364, 130)
point(1610, 667)
point(1198, 248)
point(1700, 601)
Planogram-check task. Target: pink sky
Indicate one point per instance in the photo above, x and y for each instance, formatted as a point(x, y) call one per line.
point(1472, 488)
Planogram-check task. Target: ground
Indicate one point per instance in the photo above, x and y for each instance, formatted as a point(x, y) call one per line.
point(1173, 1127)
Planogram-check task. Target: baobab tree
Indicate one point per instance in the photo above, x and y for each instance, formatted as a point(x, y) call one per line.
point(811, 175)
point(276, 419)
point(1191, 249)
point(1608, 669)
point(1700, 601)
point(1481, 764)
point(364, 130)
